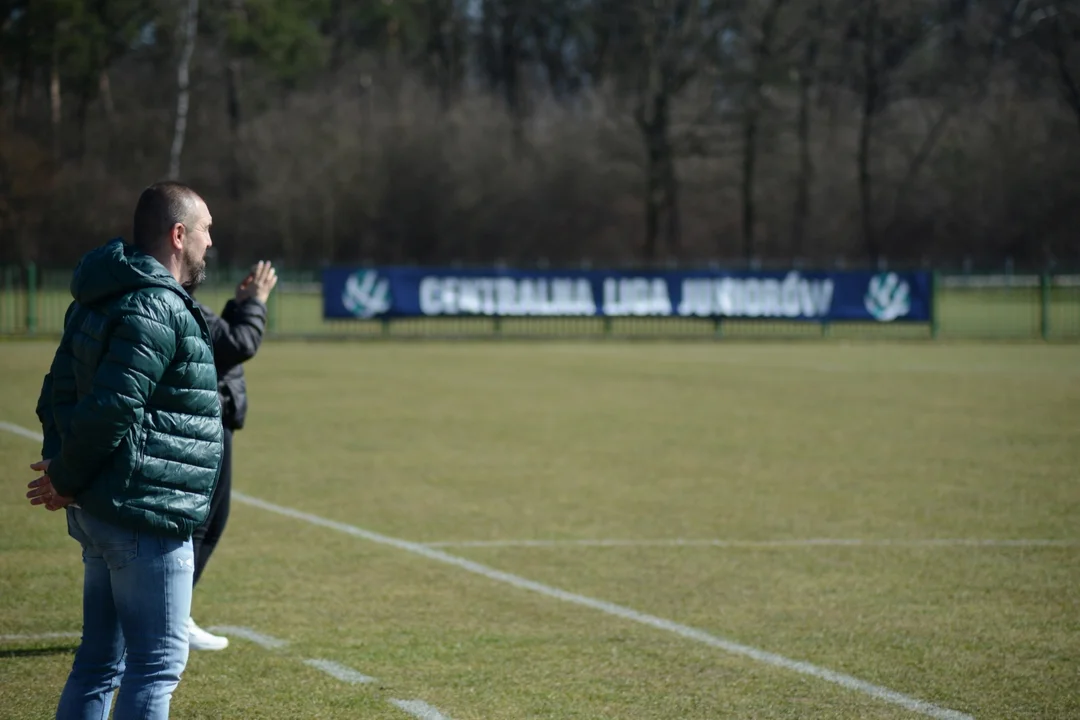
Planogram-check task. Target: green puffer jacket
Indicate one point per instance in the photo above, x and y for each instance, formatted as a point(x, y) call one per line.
point(130, 408)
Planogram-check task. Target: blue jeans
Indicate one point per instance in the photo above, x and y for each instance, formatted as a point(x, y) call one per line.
point(136, 602)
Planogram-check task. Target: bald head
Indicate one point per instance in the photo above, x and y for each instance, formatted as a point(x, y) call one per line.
point(160, 208)
point(172, 223)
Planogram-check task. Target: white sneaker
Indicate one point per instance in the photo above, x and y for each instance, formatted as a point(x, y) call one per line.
point(199, 639)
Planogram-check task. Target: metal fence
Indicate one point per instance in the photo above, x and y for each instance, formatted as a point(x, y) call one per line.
point(966, 306)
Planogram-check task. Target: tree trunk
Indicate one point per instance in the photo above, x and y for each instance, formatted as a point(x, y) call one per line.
point(750, 128)
point(232, 103)
point(671, 197)
point(182, 77)
point(865, 183)
point(751, 117)
point(442, 49)
point(661, 181)
point(288, 241)
point(805, 175)
point(105, 89)
point(26, 76)
point(1069, 86)
point(56, 111)
point(89, 82)
point(937, 129)
point(510, 64)
point(551, 54)
point(81, 114)
point(337, 31)
point(328, 232)
point(869, 108)
point(654, 206)
point(233, 175)
point(233, 180)
point(806, 167)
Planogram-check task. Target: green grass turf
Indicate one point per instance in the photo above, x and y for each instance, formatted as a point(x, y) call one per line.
point(557, 441)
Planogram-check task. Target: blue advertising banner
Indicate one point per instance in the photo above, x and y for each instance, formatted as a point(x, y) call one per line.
point(813, 296)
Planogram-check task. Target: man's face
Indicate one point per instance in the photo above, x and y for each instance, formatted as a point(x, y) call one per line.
point(196, 242)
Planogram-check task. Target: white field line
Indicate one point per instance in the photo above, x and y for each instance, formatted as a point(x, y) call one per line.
point(762, 656)
point(420, 709)
point(968, 370)
point(855, 365)
point(341, 672)
point(21, 431)
point(40, 636)
point(795, 542)
point(266, 641)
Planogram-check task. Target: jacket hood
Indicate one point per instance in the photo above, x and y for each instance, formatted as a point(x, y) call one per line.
point(117, 268)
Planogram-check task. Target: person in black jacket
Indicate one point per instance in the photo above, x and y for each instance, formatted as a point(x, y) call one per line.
point(236, 335)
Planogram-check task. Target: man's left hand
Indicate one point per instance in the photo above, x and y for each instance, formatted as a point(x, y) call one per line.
point(42, 491)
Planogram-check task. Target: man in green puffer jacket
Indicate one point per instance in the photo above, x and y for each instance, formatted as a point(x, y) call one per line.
point(133, 444)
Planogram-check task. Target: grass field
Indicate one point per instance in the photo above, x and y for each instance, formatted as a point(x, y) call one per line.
point(1005, 313)
point(904, 515)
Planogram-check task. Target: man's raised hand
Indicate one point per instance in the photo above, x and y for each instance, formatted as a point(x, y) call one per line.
point(258, 284)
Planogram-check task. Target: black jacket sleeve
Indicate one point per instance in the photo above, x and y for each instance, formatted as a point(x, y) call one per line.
point(57, 391)
point(236, 336)
point(237, 333)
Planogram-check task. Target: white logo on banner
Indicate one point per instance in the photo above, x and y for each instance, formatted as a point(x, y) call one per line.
point(366, 294)
point(888, 297)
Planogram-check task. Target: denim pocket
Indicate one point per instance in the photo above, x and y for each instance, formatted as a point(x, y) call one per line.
point(119, 546)
point(73, 528)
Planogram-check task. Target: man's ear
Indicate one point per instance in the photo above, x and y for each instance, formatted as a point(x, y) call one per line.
point(176, 236)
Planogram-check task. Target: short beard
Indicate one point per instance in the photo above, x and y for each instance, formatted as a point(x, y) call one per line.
point(194, 270)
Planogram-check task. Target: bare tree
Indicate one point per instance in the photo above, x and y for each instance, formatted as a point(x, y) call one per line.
point(886, 40)
point(55, 97)
point(191, 23)
point(965, 61)
point(806, 74)
point(443, 49)
point(105, 90)
point(502, 52)
point(762, 48)
point(232, 104)
point(1065, 36)
point(674, 40)
point(1054, 28)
